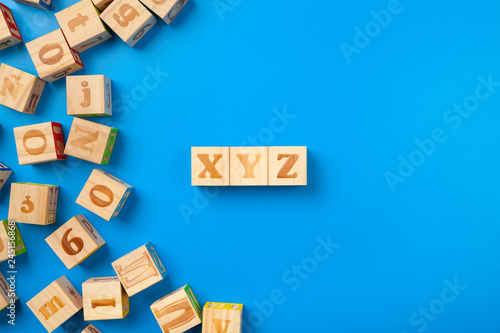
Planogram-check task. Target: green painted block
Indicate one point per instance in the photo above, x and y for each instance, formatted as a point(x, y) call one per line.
point(109, 146)
point(19, 247)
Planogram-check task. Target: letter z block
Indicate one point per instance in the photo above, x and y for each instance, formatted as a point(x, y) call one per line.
point(52, 56)
point(43, 4)
point(167, 10)
point(55, 304)
point(5, 173)
point(9, 33)
point(249, 166)
point(39, 143)
point(104, 298)
point(129, 19)
point(19, 248)
point(75, 241)
point(82, 26)
point(19, 90)
point(6, 296)
point(178, 311)
point(287, 165)
point(139, 269)
point(91, 329)
point(104, 194)
point(222, 317)
point(89, 95)
point(33, 203)
point(210, 166)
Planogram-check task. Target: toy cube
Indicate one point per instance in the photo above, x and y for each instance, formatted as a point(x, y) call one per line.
point(5, 173)
point(33, 203)
point(10, 236)
point(167, 10)
point(139, 269)
point(222, 317)
point(82, 26)
point(7, 296)
point(178, 311)
point(104, 194)
point(129, 19)
point(90, 141)
point(39, 143)
point(89, 95)
point(43, 4)
point(19, 90)
point(56, 303)
point(287, 165)
point(75, 241)
point(249, 166)
point(91, 329)
point(210, 166)
point(9, 33)
point(52, 56)
point(104, 298)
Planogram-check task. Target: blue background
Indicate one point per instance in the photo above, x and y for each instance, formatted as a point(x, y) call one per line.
point(231, 70)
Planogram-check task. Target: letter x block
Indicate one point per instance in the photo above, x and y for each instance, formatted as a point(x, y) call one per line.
point(89, 95)
point(7, 297)
point(9, 233)
point(249, 166)
point(104, 194)
point(9, 33)
point(287, 165)
point(222, 317)
point(129, 19)
point(39, 143)
point(56, 303)
point(52, 56)
point(43, 4)
point(91, 329)
point(139, 269)
point(19, 90)
point(75, 241)
point(210, 166)
point(178, 311)
point(167, 10)
point(82, 26)
point(5, 173)
point(33, 203)
point(104, 298)
point(90, 141)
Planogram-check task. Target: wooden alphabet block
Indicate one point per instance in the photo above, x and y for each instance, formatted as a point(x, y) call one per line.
point(43, 4)
point(104, 194)
point(56, 303)
point(249, 166)
point(5, 173)
point(7, 296)
point(75, 241)
point(139, 269)
point(210, 166)
point(129, 19)
point(19, 90)
point(287, 165)
point(82, 26)
point(178, 311)
point(91, 329)
point(89, 95)
point(33, 203)
point(222, 318)
point(39, 143)
point(104, 298)
point(52, 56)
point(11, 242)
point(9, 33)
point(167, 10)
point(90, 141)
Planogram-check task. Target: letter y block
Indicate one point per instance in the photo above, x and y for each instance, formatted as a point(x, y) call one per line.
point(210, 166)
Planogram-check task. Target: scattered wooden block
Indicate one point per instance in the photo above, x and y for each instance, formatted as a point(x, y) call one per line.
point(167, 10)
point(210, 166)
point(39, 143)
point(19, 90)
point(52, 56)
point(75, 241)
point(43, 4)
point(90, 141)
point(5, 173)
point(15, 238)
point(222, 317)
point(178, 311)
point(129, 19)
point(33, 203)
point(82, 26)
point(104, 298)
point(89, 95)
point(91, 329)
point(102, 4)
point(139, 269)
point(249, 166)
point(287, 165)
point(104, 194)
point(9, 33)
point(7, 296)
point(56, 303)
